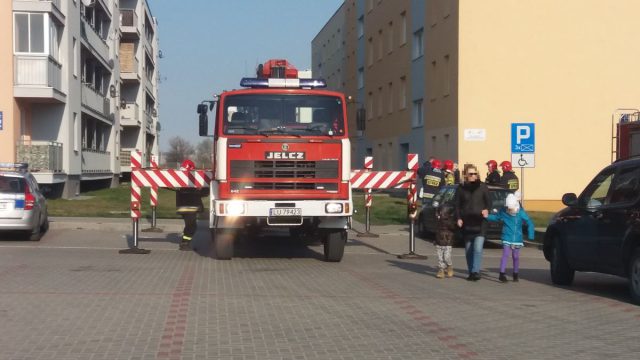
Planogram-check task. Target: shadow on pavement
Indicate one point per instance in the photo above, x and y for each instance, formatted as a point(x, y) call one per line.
point(424, 269)
point(594, 284)
point(271, 244)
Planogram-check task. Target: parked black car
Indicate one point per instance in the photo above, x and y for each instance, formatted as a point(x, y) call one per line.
point(599, 230)
point(427, 222)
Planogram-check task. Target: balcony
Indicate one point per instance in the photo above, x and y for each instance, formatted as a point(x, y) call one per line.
point(95, 42)
point(49, 6)
point(94, 161)
point(129, 68)
point(130, 115)
point(38, 77)
point(96, 102)
point(42, 156)
point(129, 25)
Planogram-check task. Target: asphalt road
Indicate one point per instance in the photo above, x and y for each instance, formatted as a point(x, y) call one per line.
point(73, 296)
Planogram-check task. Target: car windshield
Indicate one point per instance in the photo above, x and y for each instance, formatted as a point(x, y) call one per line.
point(297, 115)
point(11, 185)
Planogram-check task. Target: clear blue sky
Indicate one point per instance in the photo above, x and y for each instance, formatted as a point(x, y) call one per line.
point(208, 45)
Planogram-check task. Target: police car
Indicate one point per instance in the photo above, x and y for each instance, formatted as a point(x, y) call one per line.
point(23, 207)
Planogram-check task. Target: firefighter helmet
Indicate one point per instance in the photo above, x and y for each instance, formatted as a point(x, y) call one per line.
point(448, 165)
point(187, 165)
point(505, 165)
point(493, 165)
point(436, 164)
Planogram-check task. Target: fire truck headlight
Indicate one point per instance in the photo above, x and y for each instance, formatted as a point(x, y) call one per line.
point(235, 208)
point(333, 208)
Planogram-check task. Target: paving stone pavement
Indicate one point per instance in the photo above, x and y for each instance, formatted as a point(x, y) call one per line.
point(72, 296)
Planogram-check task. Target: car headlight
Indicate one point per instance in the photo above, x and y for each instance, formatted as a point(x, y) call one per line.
point(234, 208)
point(333, 208)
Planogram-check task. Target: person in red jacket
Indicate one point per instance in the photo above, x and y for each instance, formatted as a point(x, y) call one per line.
point(509, 179)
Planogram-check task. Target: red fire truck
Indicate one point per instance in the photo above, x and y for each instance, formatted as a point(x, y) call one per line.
point(626, 133)
point(281, 158)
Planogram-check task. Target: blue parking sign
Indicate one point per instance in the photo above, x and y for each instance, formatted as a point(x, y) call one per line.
point(523, 138)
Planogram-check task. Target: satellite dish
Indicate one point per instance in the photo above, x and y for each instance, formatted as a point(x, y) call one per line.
point(88, 3)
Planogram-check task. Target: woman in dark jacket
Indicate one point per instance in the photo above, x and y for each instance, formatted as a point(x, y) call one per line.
point(472, 207)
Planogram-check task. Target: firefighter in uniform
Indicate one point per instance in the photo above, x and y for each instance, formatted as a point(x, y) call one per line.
point(509, 180)
point(189, 204)
point(449, 177)
point(493, 175)
point(432, 180)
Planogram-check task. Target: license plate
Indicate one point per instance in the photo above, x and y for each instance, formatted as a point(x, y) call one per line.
point(285, 212)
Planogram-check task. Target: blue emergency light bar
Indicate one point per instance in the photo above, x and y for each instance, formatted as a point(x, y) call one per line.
point(283, 83)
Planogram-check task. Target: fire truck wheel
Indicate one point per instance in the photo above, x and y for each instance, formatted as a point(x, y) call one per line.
point(223, 243)
point(334, 245)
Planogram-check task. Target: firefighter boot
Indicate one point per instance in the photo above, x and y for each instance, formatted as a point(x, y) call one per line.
point(449, 271)
point(185, 244)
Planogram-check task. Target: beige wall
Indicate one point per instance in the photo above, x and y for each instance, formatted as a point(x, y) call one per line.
point(11, 128)
point(386, 117)
point(564, 65)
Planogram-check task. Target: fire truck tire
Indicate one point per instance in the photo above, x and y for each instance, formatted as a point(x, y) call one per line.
point(223, 243)
point(334, 245)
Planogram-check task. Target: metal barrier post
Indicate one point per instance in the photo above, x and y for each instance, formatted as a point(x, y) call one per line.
point(368, 200)
point(412, 209)
point(135, 204)
point(153, 199)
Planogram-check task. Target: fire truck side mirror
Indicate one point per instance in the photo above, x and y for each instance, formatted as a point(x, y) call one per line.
point(361, 116)
point(204, 120)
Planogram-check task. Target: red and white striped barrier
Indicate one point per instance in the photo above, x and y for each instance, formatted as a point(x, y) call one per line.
point(368, 165)
point(412, 194)
point(363, 179)
point(153, 193)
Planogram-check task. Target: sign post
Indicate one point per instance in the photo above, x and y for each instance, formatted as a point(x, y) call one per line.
point(523, 149)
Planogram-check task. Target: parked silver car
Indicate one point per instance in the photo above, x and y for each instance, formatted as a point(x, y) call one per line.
point(23, 207)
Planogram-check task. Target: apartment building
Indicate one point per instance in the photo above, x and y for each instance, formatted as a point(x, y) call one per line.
point(67, 109)
point(447, 78)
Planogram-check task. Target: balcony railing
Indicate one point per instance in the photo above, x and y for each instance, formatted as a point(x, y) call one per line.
point(96, 42)
point(38, 71)
point(130, 114)
point(94, 161)
point(95, 101)
point(125, 157)
point(42, 156)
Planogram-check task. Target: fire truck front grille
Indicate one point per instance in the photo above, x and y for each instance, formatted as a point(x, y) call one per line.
point(266, 169)
point(283, 186)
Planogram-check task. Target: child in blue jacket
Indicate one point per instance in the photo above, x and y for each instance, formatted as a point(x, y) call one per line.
point(512, 217)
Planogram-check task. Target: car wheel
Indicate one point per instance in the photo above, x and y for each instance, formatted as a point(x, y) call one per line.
point(45, 224)
point(561, 273)
point(36, 233)
point(634, 277)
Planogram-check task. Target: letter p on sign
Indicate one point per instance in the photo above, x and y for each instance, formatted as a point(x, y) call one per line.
point(523, 139)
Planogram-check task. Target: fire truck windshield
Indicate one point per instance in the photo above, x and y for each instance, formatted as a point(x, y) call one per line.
point(286, 114)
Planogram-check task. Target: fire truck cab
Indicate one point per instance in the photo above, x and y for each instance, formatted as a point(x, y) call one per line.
point(281, 159)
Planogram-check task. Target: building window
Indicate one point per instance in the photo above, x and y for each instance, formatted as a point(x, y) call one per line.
point(403, 92)
point(360, 78)
point(380, 101)
point(447, 77)
point(418, 116)
point(390, 98)
point(76, 63)
point(76, 132)
point(370, 52)
point(370, 106)
point(418, 43)
point(360, 27)
point(403, 28)
point(30, 33)
point(390, 38)
point(380, 44)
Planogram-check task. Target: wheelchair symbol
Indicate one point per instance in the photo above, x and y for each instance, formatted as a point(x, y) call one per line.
point(522, 162)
